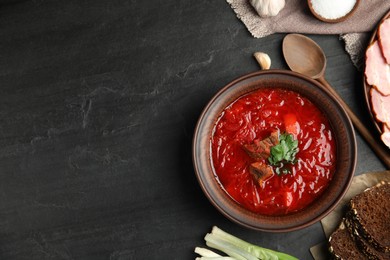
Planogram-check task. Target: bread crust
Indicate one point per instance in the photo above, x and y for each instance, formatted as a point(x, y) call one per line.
point(364, 232)
point(341, 245)
point(364, 246)
point(372, 228)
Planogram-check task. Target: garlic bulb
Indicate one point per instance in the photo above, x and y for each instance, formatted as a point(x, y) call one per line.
point(267, 8)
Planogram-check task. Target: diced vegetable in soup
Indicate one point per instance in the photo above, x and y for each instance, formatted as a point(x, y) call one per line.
point(273, 151)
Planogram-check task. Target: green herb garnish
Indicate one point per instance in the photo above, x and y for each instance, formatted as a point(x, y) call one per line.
point(284, 152)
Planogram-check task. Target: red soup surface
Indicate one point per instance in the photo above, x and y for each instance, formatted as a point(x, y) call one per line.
point(255, 116)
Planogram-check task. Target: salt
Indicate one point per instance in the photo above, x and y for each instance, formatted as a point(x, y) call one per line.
point(332, 9)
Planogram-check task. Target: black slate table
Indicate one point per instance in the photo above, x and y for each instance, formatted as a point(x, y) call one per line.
point(99, 100)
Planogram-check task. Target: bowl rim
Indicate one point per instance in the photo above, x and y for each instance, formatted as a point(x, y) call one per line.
point(231, 207)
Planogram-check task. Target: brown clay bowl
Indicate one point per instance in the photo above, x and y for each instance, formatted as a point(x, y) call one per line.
point(345, 150)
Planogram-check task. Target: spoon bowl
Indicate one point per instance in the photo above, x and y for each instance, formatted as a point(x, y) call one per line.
point(310, 63)
point(305, 56)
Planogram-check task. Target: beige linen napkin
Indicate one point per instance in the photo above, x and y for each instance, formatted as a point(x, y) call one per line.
point(331, 222)
point(296, 17)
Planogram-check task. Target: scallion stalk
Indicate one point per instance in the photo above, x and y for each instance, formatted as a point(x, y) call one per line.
point(228, 248)
point(240, 249)
point(205, 252)
point(215, 258)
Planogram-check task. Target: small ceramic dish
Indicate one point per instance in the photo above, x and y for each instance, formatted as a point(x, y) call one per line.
point(337, 19)
point(344, 137)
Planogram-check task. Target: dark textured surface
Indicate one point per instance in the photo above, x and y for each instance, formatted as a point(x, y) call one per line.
point(98, 104)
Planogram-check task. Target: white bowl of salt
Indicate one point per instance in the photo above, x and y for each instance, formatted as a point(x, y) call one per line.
point(332, 11)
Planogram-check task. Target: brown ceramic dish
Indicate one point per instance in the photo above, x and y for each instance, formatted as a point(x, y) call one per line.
point(337, 20)
point(367, 96)
point(345, 149)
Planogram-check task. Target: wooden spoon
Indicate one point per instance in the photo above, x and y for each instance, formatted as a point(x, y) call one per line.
point(305, 56)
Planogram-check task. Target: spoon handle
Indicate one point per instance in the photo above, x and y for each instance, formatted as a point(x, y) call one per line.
point(379, 148)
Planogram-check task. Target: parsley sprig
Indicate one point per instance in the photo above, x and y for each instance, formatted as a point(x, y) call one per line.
point(284, 153)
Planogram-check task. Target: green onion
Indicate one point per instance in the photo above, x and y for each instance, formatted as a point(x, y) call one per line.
point(205, 252)
point(238, 249)
point(215, 258)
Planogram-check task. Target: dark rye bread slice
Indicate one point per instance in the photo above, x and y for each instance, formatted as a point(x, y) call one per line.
point(366, 248)
point(370, 212)
point(342, 245)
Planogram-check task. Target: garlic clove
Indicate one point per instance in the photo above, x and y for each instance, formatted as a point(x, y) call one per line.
point(268, 8)
point(263, 59)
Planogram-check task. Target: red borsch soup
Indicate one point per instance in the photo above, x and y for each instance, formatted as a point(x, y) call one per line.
point(273, 151)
